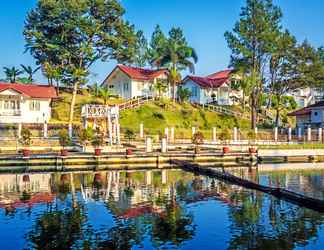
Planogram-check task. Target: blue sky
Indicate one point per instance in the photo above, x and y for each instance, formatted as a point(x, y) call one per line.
point(204, 23)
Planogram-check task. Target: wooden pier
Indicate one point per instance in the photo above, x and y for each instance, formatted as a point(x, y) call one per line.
point(280, 193)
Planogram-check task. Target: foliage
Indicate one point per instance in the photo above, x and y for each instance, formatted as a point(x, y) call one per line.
point(161, 86)
point(183, 94)
point(105, 94)
point(173, 53)
point(25, 138)
point(64, 138)
point(30, 72)
point(141, 56)
point(225, 135)
point(85, 135)
point(251, 41)
point(129, 134)
point(198, 138)
point(252, 136)
point(12, 74)
point(98, 138)
point(70, 36)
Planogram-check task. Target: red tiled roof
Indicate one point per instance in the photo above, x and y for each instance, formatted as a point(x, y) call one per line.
point(221, 74)
point(141, 73)
point(206, 82)
point(300, 112)
point(30, 90)
point(37, 198)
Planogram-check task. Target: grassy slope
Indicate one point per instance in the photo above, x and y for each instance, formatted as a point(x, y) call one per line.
point(61, 107)
point(157, 116)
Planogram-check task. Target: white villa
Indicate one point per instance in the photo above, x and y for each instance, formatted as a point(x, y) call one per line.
point(306, 96)
point(25, 103)
point(214, 88)
point(131, 82)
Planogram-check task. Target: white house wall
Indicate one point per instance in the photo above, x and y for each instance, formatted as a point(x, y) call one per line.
point(119, 81)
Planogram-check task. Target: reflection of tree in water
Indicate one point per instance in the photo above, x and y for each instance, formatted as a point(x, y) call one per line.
point(271, 224)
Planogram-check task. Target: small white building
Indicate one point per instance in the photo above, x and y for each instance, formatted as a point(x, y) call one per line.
point(215, 88)
point(132, 82)
point(25, 103)
point(310, 116)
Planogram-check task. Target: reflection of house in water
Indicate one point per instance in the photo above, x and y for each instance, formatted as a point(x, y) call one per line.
point(17, 190)
point(131, 195)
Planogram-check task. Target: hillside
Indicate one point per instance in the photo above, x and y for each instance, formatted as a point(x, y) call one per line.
point(155, 116)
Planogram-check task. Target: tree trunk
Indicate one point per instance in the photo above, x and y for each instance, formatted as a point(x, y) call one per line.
point(243, 102)
point(253, 112)
point(173, 92)
point(74, 94)
point(277, 116)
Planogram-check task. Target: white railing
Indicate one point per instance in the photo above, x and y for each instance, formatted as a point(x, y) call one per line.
point(134, 102)
point(10, 112)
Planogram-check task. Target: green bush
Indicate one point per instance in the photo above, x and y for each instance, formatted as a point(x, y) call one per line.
point(25, 139)
point(64, 138)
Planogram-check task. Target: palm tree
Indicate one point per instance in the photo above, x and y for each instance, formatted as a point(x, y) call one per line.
point(12, 74)
point(160, 86)
point(105, 94)
point(29, 71)
point(176, 56)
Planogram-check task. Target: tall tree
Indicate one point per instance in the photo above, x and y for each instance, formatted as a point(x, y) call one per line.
point(12, 74)
point(73, 34)
point(141, 56)
point(157, 43)
point(29, 71)
point(251, 41)
point(176, 55)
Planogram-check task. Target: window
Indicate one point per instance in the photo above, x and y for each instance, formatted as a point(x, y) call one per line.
point(11, 104)
point(315, 114)
point(34, 105)
point(111, 86)
point(126, 86)
point(194, 91)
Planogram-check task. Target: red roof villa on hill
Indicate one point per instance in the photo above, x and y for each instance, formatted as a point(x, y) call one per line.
point(25, 103)
point(214, 88)
point(130, 82)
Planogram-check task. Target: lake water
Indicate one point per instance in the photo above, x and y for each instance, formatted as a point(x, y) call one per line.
point(166, 209)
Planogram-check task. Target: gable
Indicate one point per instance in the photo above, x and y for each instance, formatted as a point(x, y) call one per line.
point(11, 92)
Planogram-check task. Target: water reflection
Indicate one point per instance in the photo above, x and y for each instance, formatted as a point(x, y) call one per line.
point(149, 209)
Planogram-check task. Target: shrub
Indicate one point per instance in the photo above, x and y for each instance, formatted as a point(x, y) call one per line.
point(25, 139)
point(129, 134)
point(225, 135)
point(64, 138)
point(158, 115)
point(85, 135)
point(251, 136)
point(198, 138)
point(98, 139)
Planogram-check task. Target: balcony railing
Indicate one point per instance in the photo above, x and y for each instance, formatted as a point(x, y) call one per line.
point(10, 112)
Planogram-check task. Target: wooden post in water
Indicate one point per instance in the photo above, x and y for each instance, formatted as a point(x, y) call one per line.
point(164, 176)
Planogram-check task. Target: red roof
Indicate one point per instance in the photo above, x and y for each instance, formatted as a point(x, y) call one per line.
point(221, 74)
point(30, 90)
point(140, 73)
point(206, 82)
point(301, 112)
point(37, 198)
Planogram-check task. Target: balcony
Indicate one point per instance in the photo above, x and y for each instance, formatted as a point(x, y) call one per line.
point(9, 112)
